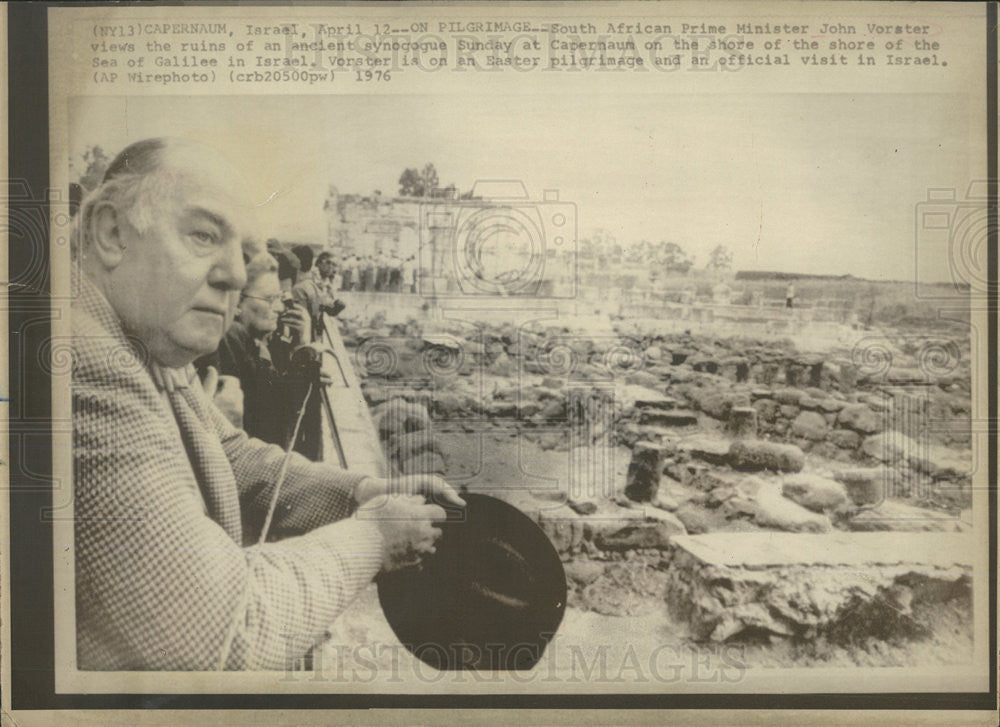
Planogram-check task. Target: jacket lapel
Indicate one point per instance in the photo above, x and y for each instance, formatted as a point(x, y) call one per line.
point(209, 462)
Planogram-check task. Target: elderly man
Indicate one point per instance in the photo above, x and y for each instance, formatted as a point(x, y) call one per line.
point(170, 499)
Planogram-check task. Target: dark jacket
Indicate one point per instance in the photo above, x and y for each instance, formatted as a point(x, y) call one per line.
point(272, 394)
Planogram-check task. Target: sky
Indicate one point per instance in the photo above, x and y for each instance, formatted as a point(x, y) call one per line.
point(809, 183)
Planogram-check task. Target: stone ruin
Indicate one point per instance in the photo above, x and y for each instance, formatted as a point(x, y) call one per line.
point(820, 472)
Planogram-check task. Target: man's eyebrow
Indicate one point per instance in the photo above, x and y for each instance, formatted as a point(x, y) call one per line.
point(212, 217)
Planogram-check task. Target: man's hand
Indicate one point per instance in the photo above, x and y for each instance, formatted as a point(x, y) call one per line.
point(432, 487)
point(226, 393)
point(406, 526)
point(296, 320)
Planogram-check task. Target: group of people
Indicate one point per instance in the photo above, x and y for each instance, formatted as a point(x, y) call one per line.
point(280, 308)
point(196, 546)
point(382, 272)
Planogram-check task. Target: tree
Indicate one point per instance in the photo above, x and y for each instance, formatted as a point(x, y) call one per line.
point(599, 243)
point(410, 184)
point(720, 259)
point(429, 177)
point(672, 257)
point(419, 183)
point(639, 252)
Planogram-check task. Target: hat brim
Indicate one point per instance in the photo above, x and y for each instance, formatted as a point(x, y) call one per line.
point(490, 598)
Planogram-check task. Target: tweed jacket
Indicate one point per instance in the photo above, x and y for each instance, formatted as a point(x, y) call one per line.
point(165, 577)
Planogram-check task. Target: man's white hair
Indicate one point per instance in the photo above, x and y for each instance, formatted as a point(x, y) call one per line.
point(134, 184)
point(260, 265)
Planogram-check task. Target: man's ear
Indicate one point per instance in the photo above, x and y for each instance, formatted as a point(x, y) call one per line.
point(106, 240)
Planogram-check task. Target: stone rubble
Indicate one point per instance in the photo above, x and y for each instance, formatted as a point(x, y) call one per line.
point(723, 437)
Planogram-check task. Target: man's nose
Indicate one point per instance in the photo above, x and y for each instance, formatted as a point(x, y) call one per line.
point(229, 270)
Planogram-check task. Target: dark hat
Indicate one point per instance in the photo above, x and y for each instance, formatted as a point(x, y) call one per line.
point(288, 263)
point(490, 598)
point(305, 255)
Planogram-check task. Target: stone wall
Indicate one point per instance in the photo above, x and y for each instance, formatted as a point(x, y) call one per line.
point(550, 384)
point(366, 225)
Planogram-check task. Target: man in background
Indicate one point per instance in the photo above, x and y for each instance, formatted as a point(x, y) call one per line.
point(326, 274)
point(313, 290)
point(347, 274)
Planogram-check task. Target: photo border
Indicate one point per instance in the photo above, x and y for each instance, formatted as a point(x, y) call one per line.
point(30, 585)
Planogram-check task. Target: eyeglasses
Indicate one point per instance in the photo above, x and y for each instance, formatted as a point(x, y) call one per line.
point(270, 300)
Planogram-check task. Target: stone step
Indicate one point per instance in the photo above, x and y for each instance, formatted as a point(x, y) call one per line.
point(833, 550)
point(672, 418)
point(847, 586)
point(707, 447)
point(900, 516)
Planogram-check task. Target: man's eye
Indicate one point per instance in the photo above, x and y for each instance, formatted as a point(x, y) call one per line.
point(203, 237)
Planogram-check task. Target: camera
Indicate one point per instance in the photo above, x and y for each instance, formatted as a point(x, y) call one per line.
point(498, 243)
point(288, 303)
point(335, 308)
point(951, 244)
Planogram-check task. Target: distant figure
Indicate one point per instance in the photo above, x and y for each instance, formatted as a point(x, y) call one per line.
point(368, 273)
point(381, 271)
point(347, 273)
point(325, 274)
point(409, 275)
point(312, 291)
point(790, 296)
point(395, 273)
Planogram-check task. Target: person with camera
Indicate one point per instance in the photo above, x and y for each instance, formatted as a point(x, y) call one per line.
point(314, 292)
point(253, 359)
point(327, 274)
